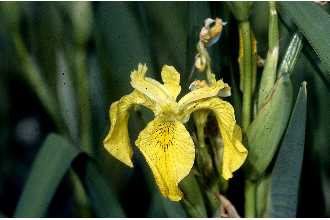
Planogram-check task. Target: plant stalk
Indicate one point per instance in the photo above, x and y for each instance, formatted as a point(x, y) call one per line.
point(250, 199)
point(245, 58)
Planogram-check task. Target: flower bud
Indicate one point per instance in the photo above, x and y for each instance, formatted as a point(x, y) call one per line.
point(211, 31)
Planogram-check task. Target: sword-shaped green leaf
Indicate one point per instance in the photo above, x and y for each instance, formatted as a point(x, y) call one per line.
point(51, 164)
point(314, 23)
point(288, 164)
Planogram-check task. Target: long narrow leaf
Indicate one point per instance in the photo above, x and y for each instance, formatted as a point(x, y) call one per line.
point(287, 168)
point(51, 164)
point(314, 23)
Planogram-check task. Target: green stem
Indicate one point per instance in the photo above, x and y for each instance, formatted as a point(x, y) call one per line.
point(245, 33)
point(212, 195)
point(193, 201)
point(250, 199)
point(246, 59)
point(202, 50)
point(263, 196)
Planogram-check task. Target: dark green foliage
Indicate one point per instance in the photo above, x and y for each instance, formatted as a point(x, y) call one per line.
point(314, 24)
point(51, 164)
point(287, 169)
point(106, 41)
point(125, 44)
point(102, 198)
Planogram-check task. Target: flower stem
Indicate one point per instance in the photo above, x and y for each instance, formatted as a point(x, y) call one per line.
point(245, 60)
point(245, 33)
point(193, 201)
point(250, 199)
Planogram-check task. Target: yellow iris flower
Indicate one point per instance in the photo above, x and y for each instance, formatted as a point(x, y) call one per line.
point(165, 143)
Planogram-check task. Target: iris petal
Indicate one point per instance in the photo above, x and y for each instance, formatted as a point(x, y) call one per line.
point(234, 151)
point(148, 86)
point(202, 93)
point(170, 153)
point(171, 79)
point(117, 141)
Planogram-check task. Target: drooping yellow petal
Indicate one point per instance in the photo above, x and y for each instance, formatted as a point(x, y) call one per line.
point(171, 79)
point(237, 135)
point(202, 93)
point(234, 152)
point(148, 86)
point(237, 141)
point(117, 142)
point(170, 153)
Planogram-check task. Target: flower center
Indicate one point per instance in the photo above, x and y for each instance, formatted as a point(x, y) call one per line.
point(164, 133)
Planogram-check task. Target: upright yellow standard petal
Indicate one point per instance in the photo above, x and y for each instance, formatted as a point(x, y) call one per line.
point(171, 79)
point(117, 142)
point(234, 152)
point(148, 86)
point(170, 153)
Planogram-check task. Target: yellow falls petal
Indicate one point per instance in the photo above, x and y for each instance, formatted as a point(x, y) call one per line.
point(170, 153)
point(202, 93)
point(148, 86)
point(117, 141)
point(234, 151)
point(171, 79)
